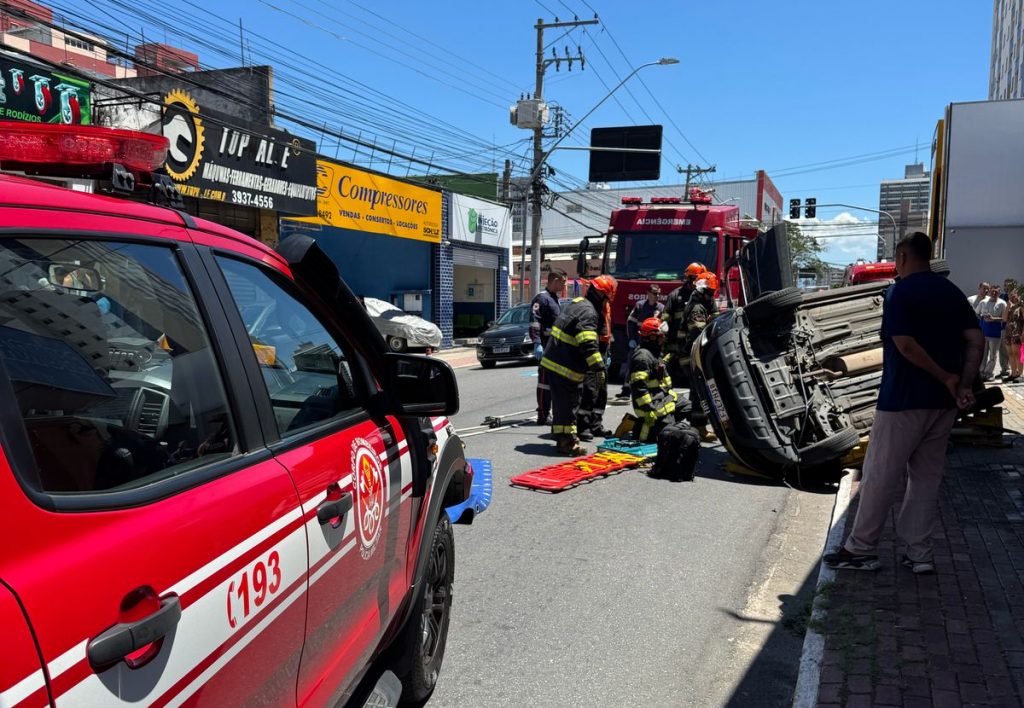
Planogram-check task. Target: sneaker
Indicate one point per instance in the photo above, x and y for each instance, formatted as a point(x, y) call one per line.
point(919, 567)
point(850, 561)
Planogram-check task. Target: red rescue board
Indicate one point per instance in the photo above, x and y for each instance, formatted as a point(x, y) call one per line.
point(556, 478)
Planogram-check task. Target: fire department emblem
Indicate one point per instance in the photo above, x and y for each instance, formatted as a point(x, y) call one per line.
point(369, 486)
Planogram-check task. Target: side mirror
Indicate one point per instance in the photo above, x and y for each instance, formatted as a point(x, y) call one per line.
point(421, 385)
point(581, 258)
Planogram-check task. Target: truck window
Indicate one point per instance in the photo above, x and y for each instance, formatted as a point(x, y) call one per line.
point(661, 255)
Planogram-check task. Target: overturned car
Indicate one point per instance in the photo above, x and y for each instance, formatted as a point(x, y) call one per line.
point(791, 378)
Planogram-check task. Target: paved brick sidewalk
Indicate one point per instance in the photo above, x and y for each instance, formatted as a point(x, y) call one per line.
point(955, 638)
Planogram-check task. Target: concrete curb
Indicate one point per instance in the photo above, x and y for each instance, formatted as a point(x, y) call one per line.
point(809, 678)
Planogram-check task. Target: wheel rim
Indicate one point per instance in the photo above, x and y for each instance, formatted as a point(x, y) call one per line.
point(395, 343)
point(436, 602)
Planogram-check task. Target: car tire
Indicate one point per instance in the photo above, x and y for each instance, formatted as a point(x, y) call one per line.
point(772, 304)
point(397, 344)
point(427, 632)
point(831, 448)
point(488, 364)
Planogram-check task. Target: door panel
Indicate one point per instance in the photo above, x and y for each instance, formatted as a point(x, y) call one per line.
point(21, 675)
point(128, 487)
point(337, 455)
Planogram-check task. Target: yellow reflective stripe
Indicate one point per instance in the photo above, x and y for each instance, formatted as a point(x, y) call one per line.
point(595, 359)
point(562, 336)
point(563, 429)
point(562, 370)
point(586, 336)
point(665, 410)
point(643, 400)
point(578, 299)
point(668, 383)
point(638, 376)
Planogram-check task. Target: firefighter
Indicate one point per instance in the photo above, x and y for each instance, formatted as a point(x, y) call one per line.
point(573, 350)
point(594, 394)
point(654, 403)
point(650, 306)
point(700, 310)
point(673, 314)
point(544, 311)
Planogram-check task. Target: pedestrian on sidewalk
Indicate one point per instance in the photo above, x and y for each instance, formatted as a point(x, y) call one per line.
point(1009, 286)
point(1014, 329)
point(544, 311)
point(931, 350)
point(979, 297)
point(991, 313)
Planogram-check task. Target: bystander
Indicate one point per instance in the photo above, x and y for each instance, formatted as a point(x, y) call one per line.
point(991, 312)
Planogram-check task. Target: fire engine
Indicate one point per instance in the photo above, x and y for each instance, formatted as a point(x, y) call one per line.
point(653, 241)
point(861, 272)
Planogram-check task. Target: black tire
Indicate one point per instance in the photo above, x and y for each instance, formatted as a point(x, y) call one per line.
point(488, 364)
point(940, 266)
point(397, 344)
point(428, 627)
point(772, 304)
point(830, 449)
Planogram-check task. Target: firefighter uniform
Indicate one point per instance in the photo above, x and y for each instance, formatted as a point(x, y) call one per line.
point(700, 310)
point(544, 311)
point(594, 394)
point(571, 352)
point(654, 401)
point(676, 354)
point(640, 312)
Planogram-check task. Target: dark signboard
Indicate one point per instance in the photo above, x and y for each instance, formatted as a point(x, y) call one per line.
point(608, 166)
point(31, 94)
point(223, 158)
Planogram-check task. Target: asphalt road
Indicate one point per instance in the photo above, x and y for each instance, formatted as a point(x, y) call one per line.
point(627, 590)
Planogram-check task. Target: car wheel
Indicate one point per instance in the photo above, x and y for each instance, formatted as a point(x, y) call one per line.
point(397, 344)
point(429, 626)
point(772, 304)
point(831, 448)
point(488, 364)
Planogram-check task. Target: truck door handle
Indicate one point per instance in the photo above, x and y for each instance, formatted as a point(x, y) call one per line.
point(333, 508)
point(122, 639)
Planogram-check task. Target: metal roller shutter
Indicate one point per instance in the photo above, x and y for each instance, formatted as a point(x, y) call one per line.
point(480, 259)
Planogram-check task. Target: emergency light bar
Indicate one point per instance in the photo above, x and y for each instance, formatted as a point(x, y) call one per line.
point(699, 196)
point(90, 148)
point(666, 200)
point(632, 200)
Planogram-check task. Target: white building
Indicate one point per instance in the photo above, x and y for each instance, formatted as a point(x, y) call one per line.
point(1006, 71)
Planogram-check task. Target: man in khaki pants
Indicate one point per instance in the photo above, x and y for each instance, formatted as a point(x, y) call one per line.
point(931, 351)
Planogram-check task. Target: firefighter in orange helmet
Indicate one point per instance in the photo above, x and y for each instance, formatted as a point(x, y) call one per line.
point(571, 353)
point(673, 314)
point(700, 310)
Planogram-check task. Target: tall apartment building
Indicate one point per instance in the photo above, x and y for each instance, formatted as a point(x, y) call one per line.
point(1006, 71)
point(907, 201)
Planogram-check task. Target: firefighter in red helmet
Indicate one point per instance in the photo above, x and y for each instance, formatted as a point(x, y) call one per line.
point(573, 351)
point(673, 314)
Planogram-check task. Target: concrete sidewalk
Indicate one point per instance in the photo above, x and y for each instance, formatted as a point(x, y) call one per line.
point(955, 638)
point(458, 357)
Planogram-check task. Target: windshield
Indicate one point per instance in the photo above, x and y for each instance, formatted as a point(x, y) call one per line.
point(661, 256)
point(517, 315)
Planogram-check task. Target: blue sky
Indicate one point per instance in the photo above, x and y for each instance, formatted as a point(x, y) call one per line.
point(775, 86)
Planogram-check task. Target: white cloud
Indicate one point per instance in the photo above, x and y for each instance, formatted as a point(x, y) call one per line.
point(844, 238)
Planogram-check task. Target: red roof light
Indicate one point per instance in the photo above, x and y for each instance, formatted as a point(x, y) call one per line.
point(632, 200)
point(83, 146)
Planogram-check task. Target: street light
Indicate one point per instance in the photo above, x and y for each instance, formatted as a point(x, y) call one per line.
point(539, 158)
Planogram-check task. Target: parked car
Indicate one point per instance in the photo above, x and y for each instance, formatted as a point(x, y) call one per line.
point(209, 442)
point(508, 339)
point(401, 330)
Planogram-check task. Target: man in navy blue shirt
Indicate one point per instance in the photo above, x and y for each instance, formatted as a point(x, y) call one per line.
point(931, 348)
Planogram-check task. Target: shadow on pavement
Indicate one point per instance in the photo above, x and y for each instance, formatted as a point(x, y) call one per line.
point(771, 676)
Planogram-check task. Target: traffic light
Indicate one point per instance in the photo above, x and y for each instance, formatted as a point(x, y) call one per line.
point(794, 208)
point(811, 209)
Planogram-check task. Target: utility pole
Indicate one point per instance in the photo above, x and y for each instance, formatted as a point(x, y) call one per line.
point(537, 186)
point(693, 171)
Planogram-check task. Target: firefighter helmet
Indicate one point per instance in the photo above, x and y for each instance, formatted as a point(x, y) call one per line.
point(606, 285)
point(694, 270)
point(707, 280)
point(652, 327)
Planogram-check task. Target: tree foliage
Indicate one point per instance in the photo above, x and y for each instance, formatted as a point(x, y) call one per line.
point(804, 250)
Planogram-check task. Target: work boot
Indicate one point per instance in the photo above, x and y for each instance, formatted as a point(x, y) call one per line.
point(542, 420)
point(586, 435)
point(567, 445)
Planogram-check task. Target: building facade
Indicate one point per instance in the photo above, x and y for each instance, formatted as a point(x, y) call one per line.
point(907, 200)
point(1006, 70)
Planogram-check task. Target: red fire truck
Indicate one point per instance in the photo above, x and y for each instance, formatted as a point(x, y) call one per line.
point(652, 242)
point(861, 272)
